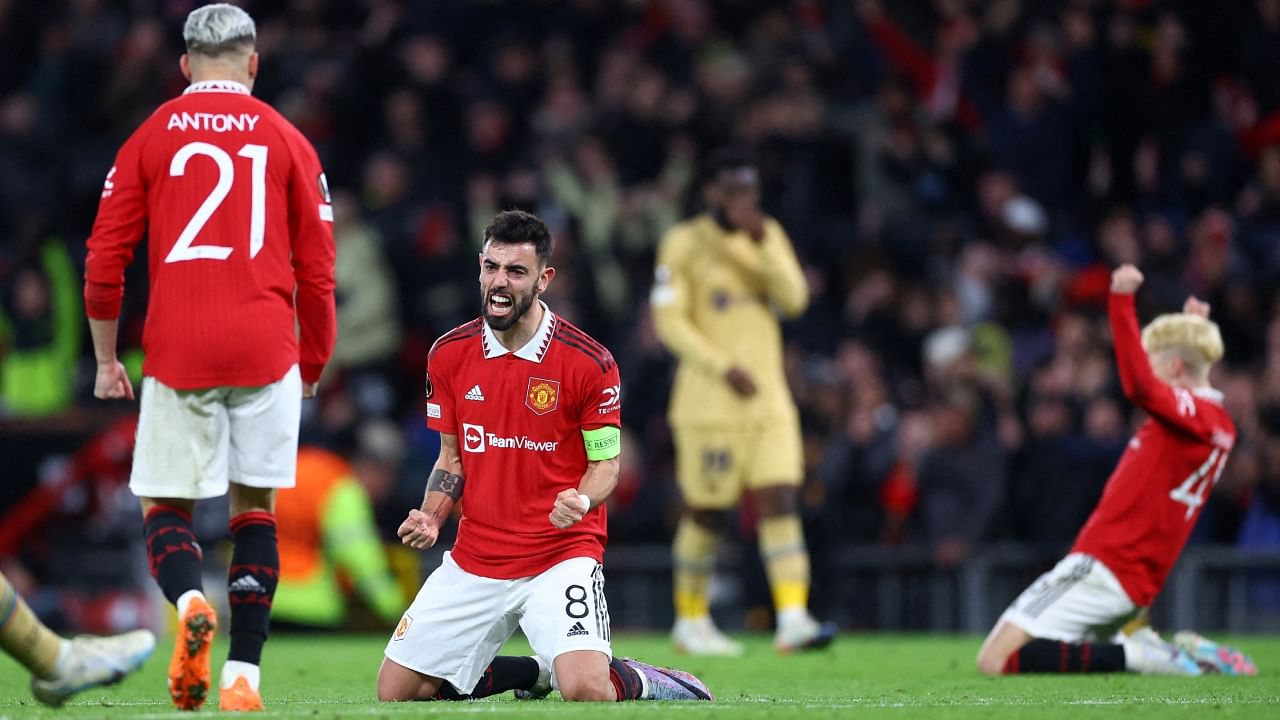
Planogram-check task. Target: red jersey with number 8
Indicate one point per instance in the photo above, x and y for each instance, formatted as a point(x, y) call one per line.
point(519, 418)
point(238, 218)
point(1165, 476)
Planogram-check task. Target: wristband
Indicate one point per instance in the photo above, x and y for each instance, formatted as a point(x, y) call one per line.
point(586, 501)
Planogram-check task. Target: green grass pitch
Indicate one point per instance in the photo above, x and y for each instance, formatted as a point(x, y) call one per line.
point(862, 676)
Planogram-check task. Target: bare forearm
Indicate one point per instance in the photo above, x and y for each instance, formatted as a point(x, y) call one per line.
point(444, 488)
point(599, 480)
point(104, 339)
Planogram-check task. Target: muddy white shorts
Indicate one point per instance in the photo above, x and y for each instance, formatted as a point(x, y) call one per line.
point(1079, 599)
point(192, 442)
point(458, 622)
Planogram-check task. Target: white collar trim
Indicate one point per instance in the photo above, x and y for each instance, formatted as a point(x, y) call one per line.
point(533, 351)
point(230, 86)
point(1213, 395)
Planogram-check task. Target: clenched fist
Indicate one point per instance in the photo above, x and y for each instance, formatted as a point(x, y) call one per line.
point(568, 510)
point(419, 531)
point(1126, 279)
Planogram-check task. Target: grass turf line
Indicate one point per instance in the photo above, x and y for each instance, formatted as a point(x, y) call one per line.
point(863, 676)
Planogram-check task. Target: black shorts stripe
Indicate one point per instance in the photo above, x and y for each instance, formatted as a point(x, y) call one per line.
point(602, 612)
point(1052, 592)
point(594, 358)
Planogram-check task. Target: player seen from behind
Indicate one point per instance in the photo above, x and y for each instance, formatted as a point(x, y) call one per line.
point(236, 211)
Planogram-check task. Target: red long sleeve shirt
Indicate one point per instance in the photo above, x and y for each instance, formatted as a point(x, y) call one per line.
point(1158, 489)
point(236, 209)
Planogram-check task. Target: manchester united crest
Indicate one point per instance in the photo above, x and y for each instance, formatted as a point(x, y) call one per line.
point(403, 627)
point(543, 395)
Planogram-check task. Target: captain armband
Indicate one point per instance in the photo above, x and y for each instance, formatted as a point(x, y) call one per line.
point(446, 482)
point(602, 443)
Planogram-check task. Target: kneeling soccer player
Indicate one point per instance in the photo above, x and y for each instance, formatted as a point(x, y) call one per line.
point(528, 409)
point(1125, 551)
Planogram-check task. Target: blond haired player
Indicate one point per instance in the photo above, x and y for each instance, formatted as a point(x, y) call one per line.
point(1125, 551)
point(722, 280)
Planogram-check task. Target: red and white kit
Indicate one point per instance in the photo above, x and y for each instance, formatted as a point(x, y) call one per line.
point(1149, 506)
point(237, 214)
point(519, 417)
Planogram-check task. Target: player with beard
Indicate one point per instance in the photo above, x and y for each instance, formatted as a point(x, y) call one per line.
point(528, 409)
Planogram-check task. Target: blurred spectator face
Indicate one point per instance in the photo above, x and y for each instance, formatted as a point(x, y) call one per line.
point(30, 294)
point(648, 87)
point(427, 59)
point(1269, 170)
point(1118, 239)
point(406, 123)
point(1159, 238)
point(593, 160)
point(1077, 28)
point(995, 189)
point(515, 64)
point(386, 180)
point(1103, 419)
point(1210, 246)
point(1023, 94)
point(488, 126)
point(1048, 417)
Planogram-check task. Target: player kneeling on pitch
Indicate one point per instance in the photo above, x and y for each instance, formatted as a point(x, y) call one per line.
point(528, 409)
point(1124, 553)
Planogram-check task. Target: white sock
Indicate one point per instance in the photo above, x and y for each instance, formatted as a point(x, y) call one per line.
point(64, 659)
point(792, 616)
point(644, 683)
point(185, 599)
point(233, 669)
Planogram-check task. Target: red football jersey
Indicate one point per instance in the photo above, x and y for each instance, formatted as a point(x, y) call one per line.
point(1163, 479)
point(519, 418)
point(236, 209)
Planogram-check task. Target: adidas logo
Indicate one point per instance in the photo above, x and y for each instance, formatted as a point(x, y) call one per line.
point(577, 630)
point(474, 394)
point(246, 583)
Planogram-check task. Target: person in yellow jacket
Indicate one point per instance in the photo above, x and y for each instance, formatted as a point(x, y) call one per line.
point(325, 527)
point(722, 279)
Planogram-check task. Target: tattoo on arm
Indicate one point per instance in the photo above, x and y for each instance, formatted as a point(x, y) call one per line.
point(442, 480)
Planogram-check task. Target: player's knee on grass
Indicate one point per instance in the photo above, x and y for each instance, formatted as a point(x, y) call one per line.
point(992, 661)
point(583, 676)
point(397, 683)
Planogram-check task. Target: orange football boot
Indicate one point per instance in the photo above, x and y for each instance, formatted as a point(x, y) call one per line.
point(240, 697)
point(189, 673)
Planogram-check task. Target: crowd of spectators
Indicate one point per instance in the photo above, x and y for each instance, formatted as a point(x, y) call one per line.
point(958, 178)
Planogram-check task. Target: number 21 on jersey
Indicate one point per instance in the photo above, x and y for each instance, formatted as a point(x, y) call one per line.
point(183, 249)
point(1192, 491)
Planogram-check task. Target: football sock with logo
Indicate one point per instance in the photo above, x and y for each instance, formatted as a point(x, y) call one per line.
point(172, 551)
point(503, 674)
point(24, 637)
point(693, 553)
point(786, 561)
point(1052, 656)
point(626, 680)
point(251, 583)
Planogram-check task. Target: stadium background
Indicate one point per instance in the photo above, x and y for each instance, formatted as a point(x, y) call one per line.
point(958, 178)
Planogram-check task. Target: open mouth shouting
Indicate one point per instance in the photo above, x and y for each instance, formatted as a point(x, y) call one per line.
point(500, 304)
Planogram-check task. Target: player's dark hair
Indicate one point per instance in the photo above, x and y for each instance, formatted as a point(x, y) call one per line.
point(726, 158)
point(517, 227)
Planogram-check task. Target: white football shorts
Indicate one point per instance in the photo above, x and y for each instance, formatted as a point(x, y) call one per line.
point(191, 443)
point(1078, 600)
point(459, 622)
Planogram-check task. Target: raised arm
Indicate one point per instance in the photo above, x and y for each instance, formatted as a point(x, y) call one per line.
point(1175, 406)
point(444, 487)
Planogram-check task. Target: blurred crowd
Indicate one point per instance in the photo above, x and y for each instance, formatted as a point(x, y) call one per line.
point(958, 177)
